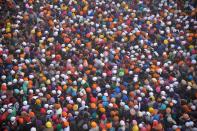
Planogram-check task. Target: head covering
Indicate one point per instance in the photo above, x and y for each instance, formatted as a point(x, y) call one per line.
point(48, 124)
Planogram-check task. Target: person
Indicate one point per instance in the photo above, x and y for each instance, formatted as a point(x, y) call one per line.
point(98, 65)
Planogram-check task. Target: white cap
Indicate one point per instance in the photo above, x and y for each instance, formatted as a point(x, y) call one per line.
point(12, 119)
point(122, 123)
point(68, 98)
point(136, 107)
point(3, 109)
point(174, 101)
point(193, 107)
point(167, 87)
point(31, 76)
point(99, 94)
point(31, 91)
point(79, 100)
point(12, 72)
point(3, 96)
point(104, 74)
point(171, 90)
point(191, 123)
point(83, 102)
point(85, 126)
point(114, 71)
point(140, 125)
point(159, 70)
point(44, 89)
point(135, 79)
point(3, 77)
point(70, 101)
point(110, 105)
point(163, 93)
point(24, 103)
point(115, 67)
point(105, 94)
point(83, 82)
point(193, 61)
point(150, 93)
point(57, 76)
point(174, 127)
point(10, 110)
point(122, 103)
point(33, 129)
point(5, 106)
point(53, 79)
point(113, 78)
point(55, 33)
point(53, 91)
point(94, 78)
point(124, 91)
point(130, 72)
point(98, 89)
point(107, 86)
point(43, 60)
point(40, 94)
point(49, 111)
point(139, 98)
point(187, 124)
point(59, 92)
point(171, 68)
point(46, 106)
point(9, 105)
point(142, 94)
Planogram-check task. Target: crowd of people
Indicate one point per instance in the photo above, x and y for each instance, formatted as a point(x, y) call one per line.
point(98, 65)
